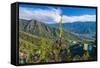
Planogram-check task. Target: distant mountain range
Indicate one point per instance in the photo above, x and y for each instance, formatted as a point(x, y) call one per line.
point(78, 27)
point(86, 30)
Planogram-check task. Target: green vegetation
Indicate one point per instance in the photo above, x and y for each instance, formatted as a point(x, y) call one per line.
point(31, 44)
point(40, 43)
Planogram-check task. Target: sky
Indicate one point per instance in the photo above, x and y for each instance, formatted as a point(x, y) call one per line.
point(52, 14)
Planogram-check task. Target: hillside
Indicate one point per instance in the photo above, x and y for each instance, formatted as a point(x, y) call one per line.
point(30, 44)
point(43, 30)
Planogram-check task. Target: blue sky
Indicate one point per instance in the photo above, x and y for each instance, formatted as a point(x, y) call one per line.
point(51, 14)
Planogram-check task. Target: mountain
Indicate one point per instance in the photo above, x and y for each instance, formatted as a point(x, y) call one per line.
point(78, 27)
point(85, 30)
point(37, 28)
point(44, 30)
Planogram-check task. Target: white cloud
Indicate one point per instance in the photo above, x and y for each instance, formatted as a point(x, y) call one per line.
point(51, 15)
point(81, 18)
point(45, 15)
